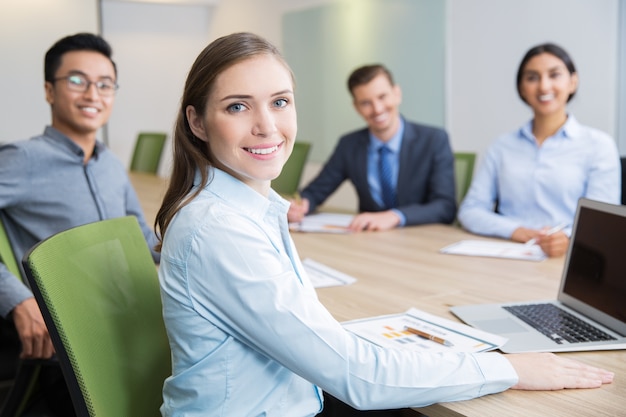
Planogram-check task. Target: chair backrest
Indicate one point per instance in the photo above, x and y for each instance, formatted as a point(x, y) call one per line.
point(98, 290)
point(463, 173)
point(6, 253)
point(288, 181)
point(18, 376)
point(147, 153)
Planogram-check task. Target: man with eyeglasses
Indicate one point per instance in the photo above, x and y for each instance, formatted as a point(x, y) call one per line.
point(61, 179)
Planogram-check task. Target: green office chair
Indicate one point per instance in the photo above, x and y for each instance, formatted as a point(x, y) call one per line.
point(6, 252)
point(147, 153)
point(18, 377)
point(98, 291)
point(463, 173)
point(287, 182)
point(7, 355)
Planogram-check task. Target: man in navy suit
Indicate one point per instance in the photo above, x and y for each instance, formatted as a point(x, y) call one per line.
point(419, 185)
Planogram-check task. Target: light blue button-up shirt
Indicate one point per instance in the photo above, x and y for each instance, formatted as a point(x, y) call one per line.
point(539, 186)
point(250, 338)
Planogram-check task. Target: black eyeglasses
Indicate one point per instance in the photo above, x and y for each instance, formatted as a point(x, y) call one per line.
point(80, 84)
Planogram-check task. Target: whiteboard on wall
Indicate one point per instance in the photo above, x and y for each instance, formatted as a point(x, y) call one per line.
point(28, 28)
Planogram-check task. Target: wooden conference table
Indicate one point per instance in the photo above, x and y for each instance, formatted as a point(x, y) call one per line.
point(400, 269)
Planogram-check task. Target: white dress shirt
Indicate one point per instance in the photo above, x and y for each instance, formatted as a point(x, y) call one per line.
point(250, 338)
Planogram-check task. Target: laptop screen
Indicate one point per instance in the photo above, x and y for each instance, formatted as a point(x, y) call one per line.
point(596, 262)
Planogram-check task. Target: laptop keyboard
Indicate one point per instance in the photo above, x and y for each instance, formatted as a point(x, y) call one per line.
point(557, 324)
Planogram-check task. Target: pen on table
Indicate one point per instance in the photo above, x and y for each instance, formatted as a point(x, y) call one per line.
point(428, 336)
point(548, 233)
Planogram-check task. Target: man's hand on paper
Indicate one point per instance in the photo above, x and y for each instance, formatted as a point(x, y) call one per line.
point(297, 210)
point(384, 220)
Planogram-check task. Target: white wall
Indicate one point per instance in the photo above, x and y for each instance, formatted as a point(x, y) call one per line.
point(27, 29)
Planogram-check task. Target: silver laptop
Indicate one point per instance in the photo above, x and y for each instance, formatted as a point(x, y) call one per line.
point(590, 310)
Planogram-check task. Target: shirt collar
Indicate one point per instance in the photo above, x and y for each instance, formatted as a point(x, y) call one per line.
point(234, 192)
point(393, 144)
point(571, 129)
point(70, 145)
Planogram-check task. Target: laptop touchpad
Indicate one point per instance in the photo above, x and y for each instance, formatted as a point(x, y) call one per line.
point(500, 326)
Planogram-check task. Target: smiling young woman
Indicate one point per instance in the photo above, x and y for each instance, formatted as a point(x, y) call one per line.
point(536, 174)
point(247, 331)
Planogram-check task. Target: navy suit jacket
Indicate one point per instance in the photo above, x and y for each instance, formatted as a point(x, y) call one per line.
point(426, 185)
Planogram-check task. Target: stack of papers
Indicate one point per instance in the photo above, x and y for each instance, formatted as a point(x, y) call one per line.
point(496, 250)
point(323, 223)
point(390, 331)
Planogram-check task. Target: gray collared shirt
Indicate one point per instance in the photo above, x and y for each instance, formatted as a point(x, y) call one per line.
point(46, 188)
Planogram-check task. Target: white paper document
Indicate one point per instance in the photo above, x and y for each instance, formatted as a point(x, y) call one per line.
point(322, 275)
point(493, 249)
point(323, 223)
point(391, 331)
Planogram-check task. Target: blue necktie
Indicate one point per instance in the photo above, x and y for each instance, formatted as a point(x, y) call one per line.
point(385, 172)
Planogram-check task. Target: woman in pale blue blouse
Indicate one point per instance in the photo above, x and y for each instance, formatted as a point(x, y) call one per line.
point(536, 174)
point(248, 334)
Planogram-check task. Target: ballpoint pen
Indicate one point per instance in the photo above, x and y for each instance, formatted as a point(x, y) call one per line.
point(428, 336)
point(548, 233)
